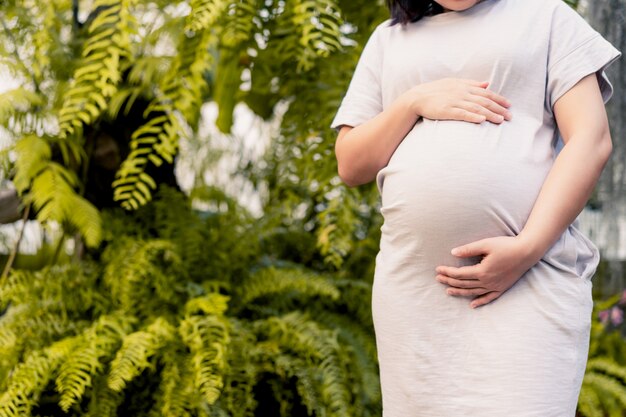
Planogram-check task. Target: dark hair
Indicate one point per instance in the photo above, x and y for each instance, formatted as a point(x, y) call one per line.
point(405, 11)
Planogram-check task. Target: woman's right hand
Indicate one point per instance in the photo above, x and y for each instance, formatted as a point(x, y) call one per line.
point(458, 99)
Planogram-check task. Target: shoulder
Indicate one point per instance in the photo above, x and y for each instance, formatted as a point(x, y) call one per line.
point(380, 33)
point(383, 28)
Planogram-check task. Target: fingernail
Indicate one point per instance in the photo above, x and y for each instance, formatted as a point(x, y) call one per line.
point(455, 251)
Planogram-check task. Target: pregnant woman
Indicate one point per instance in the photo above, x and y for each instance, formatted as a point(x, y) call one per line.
point(484, 127)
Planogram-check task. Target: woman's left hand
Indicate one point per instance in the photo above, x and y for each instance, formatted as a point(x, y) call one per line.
point(504, 260)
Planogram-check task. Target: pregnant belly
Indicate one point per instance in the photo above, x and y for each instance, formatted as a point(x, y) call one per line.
point(449, 183)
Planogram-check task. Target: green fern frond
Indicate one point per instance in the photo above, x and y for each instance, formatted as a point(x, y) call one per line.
point(608, 386)
point(76, 374)
point(42, 42)
point(96, 80)
point(123, 97)
point(31, 376)
point(204, 13)
point(176, 392)
point(147, 281)
point(36, 324)
point(136, 351)
point(181, 94)
point(608, 367)
point(18, 100)
point(360, 344)
point(208, 339)
point(33, 155)
point(239, 25)
point(210, 304)
point(153, 143)
point(353, 289)
point(17, 287)
point(317, 25)
point(589, 404)
point(53, 196)
point(272, 281)
point(338, 222)
point(51, 189)
point(87, 360)
point(104, 401)
point(298, 333)
point(239, 382)
point(148, 70)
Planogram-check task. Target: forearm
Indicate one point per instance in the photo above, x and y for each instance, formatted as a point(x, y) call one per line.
point(565, 191)
point(367, 148)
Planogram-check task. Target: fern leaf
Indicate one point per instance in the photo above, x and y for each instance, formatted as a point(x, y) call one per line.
point(314, 29)
point(53, 196)
point(31, 376)
point(33, 154)
point(135, 353)
point(589, 404)
point(213, 304)
point(297, 333)
point(86, 362)
point(97, 78)
point(146, 282)
point(272, 281)
point(239, 24)
point(104, 401)
point(76, 374)
point(18, 100)
point(608, 386)
point(204, 13)
point(208, 339)
point(177, 394)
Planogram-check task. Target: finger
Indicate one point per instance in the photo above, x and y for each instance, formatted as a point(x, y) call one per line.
point(459, 283)
point(464, 272)
point(478, 109)
point(503, 101)
point(465, 115)
point(485, 299)
point(490, 105)
point(475, 82)
point(476, 248)
point(462, 292)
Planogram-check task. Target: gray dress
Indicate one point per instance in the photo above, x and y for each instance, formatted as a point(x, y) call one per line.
point(450, 183)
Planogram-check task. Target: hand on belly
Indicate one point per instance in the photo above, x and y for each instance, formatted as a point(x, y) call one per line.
point(505, 260)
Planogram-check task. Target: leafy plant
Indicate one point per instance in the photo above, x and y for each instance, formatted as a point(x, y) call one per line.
point(186, 314)
point(603, 392)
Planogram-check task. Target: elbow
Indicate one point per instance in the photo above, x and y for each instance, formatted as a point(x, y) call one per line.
point(347, 176)
point(345, 169)
point(606, 146)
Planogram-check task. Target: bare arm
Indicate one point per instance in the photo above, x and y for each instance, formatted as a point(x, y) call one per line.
point(363, 150)
point(582, 120)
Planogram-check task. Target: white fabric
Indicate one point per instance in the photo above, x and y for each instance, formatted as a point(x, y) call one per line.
point(449, 183)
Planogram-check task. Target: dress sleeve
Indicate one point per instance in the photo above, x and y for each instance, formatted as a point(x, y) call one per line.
point(575, 51)
point(363, 99)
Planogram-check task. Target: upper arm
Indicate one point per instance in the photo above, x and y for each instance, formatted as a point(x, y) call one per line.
point(343, 130)
point(581, 109)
